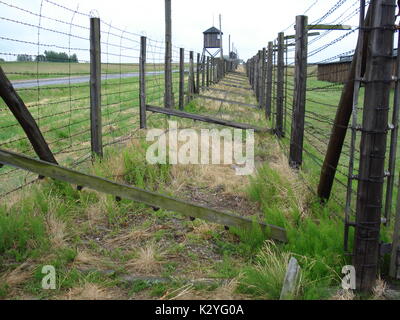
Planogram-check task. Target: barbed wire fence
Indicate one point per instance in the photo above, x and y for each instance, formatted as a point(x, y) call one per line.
point(48, 61)
point(309, 80)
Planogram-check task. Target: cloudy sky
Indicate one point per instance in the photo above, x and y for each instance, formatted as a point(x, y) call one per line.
point(251, 23)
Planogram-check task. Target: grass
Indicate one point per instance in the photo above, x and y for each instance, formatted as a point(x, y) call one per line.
point(87, 234)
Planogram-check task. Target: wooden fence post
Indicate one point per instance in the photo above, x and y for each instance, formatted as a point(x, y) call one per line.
point(25, 119)
point(203, 72)
point(95, 88)
point(280, 85)
point(268, 91)
point(198, 74)
point(263, 79)
point(142, 80)
point(208, 72)
point(299, 94)
point(168, 56)
point(259, 77)
point(181, 78)
point(191, 76)
point(371, 176)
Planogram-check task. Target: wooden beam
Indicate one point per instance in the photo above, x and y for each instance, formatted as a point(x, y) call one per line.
point(135, 194)
point(229, 101)
point(25, 119)
point(329, 27)
point(208, 119)
point(310, 34)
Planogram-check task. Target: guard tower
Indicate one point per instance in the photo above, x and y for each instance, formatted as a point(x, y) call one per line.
point(212, 42)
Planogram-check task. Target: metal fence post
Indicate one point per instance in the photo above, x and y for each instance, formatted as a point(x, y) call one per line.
point(268, 91)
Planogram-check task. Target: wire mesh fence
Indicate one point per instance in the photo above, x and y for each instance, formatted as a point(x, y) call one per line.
point(48, 61)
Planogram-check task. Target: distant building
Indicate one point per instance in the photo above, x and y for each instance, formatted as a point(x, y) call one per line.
point(339, 71)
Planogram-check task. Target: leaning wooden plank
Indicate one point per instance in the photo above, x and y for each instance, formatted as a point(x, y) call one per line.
point(208, 119)
point(229, 101)
point(128, 192)
point(25, 119)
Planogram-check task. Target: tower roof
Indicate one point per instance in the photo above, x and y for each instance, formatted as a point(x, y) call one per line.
point(212, 30)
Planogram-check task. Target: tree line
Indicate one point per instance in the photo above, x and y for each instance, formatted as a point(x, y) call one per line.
point(48, 56)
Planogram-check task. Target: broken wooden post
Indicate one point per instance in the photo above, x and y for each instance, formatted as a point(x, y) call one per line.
point(291, 280)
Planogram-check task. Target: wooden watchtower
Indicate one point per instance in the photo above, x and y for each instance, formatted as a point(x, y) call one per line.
point(212, 42)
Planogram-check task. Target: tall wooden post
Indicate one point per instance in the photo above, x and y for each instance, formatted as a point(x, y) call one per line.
point(373, 144)
point(268, 90)
point(142, 80)
point(181, 79)
point(263, 79)
point(95, 88)
point(191, 76)
point(198, 74)
point(208, 72)
point(168, 56)
point(280, 85)
point(299, 95)
point(395, 259)
point(260, 85)
point(203, 72)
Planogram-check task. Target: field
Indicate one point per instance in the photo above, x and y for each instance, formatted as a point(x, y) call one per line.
point(47, 70)
point(104, 249)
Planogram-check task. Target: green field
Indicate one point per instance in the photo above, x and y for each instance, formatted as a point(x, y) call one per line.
point(47, 70)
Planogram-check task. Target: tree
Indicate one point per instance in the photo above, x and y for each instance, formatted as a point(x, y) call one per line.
point(2, 60)
point(52, 56)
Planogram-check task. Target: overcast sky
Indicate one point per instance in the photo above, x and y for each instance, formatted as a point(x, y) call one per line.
point(251, 23)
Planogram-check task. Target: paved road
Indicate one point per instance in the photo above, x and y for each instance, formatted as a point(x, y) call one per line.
point(74, 80)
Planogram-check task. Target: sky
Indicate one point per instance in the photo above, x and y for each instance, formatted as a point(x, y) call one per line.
point(251, 24)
